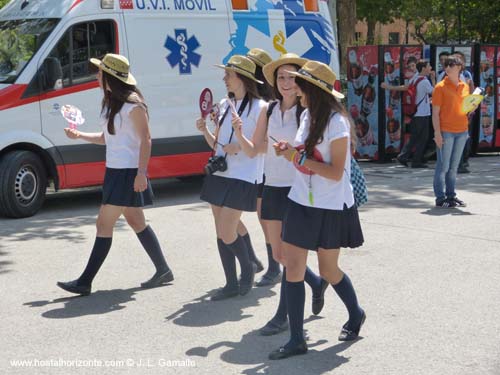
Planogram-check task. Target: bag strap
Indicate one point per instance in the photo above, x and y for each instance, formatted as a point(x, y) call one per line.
point(240, 111)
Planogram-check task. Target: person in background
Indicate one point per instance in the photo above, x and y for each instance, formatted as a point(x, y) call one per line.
point(420, 122)
point(450, 132)
point(126, 189)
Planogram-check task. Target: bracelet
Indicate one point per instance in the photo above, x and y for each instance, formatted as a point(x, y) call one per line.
point(292, 158)
point(303, 157)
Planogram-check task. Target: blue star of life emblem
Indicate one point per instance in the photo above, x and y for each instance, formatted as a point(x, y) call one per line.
point(182, 51)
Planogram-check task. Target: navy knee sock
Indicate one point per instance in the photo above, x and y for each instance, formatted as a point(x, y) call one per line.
point(228, 264)
point(347, 294)
point(274, 267)
point(282, 312)
point(152, 246)
point(251, 252)
point(97, 256)
point(314, 281)
point(295, 299)
point(239, 249)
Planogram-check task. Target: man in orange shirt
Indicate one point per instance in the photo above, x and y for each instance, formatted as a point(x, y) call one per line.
point(450, 132)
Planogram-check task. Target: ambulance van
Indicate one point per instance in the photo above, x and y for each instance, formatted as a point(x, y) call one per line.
point(172, 45)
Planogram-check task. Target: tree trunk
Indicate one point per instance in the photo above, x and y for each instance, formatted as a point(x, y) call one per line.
point(346, 16)
point(370, 33)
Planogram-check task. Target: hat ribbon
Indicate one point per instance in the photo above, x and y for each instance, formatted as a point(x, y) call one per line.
point(307, 74)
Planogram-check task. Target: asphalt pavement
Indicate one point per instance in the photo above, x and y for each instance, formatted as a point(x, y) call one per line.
point(428, 279)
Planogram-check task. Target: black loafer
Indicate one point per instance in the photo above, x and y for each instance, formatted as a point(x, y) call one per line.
point(347, 335)
point(73, 287)
point(285, 352)
point(273, 328)
point(159, 278)
point(225, 293)
point(319, 301)
point(269, 279)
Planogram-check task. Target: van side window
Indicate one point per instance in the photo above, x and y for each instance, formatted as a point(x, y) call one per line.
point(68, 62)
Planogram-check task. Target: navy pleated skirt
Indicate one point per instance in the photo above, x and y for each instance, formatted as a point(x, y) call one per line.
point(229, 192)
point(312, 228)
point(274, 202)
point(118, 189)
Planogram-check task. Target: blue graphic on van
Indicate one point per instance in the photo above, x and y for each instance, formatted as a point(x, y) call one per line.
point(308, 29)
point(182, 51)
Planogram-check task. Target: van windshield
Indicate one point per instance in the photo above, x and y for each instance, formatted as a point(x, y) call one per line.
point(19, 41)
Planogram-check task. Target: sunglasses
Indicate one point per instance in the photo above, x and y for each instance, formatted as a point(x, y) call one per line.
point(451, 65)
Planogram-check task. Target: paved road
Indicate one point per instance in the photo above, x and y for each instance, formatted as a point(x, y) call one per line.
point(429, 280)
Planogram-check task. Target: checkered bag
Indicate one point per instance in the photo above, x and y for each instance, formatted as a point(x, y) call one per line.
point(358, 183)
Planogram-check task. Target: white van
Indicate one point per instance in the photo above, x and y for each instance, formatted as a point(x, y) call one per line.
point(172, 46)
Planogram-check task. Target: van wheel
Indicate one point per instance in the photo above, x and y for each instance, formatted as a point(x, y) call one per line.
point(23, 183)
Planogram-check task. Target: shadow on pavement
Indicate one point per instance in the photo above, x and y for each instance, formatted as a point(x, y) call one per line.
point(100, 302)
point(202, 312)
point(253, 350)
point(4, 264)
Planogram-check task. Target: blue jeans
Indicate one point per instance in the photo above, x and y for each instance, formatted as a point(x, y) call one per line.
point(448, 158)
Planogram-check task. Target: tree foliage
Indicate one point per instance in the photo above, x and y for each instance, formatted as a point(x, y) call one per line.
point(3, 2)
point(439, 21)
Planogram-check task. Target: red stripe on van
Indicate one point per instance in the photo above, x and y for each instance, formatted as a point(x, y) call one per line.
point(75, 4)
point(11, 96)
point(91, 174)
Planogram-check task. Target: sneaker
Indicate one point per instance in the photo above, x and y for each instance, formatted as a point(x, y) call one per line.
point(446, 203)
point(459, 203)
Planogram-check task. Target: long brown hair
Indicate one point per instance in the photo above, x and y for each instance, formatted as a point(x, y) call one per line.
point(320, 105)
point(250, 88)
point(113, 100)
point(265, 90)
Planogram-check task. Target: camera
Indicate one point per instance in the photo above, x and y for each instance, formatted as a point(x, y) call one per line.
point(215, 163)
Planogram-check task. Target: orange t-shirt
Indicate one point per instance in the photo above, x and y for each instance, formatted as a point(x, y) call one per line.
point(449, 97)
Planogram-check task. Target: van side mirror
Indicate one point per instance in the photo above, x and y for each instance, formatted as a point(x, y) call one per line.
point(51, 74)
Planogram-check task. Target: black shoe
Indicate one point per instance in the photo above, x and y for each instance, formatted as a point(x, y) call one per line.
point(246, 282)
point(159, 278)
point(285, 352)
point(458, 202)
point(463, 169)
point(258, 266)
point(402, 161)
point(273, 328)
point(446, 203)
point(347, 335)
point(419, 165)
point(73, 287)
point(225, 293)
point(269, 279)
point(319, 301)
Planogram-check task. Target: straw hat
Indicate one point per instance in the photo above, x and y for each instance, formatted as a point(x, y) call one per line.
point(320, 75)
point(242, 65)
point(259, 56)
point(287, 58)
point(116, 65)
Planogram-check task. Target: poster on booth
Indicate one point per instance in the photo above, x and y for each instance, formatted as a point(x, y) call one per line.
point(362, 92)
point(487, 107)
point(392, 100)
point(439, 68)
point(497, 135)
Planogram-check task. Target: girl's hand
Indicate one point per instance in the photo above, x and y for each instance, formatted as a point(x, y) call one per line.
point(72, 133)
point(140, 183)
point(232, 148)
point(438, 138)
point(201, 125)
point(237, 123)
point(282, 147)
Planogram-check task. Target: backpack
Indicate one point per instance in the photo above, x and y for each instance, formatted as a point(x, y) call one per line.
point(409, 98)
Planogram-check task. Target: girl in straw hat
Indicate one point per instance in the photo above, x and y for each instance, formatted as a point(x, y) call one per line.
point(126, 189)
point(281, 122)
point(266, 92)
point(233, 176)
point(321, 214)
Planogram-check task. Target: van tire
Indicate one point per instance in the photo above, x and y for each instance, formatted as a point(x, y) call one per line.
point(23, 184)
